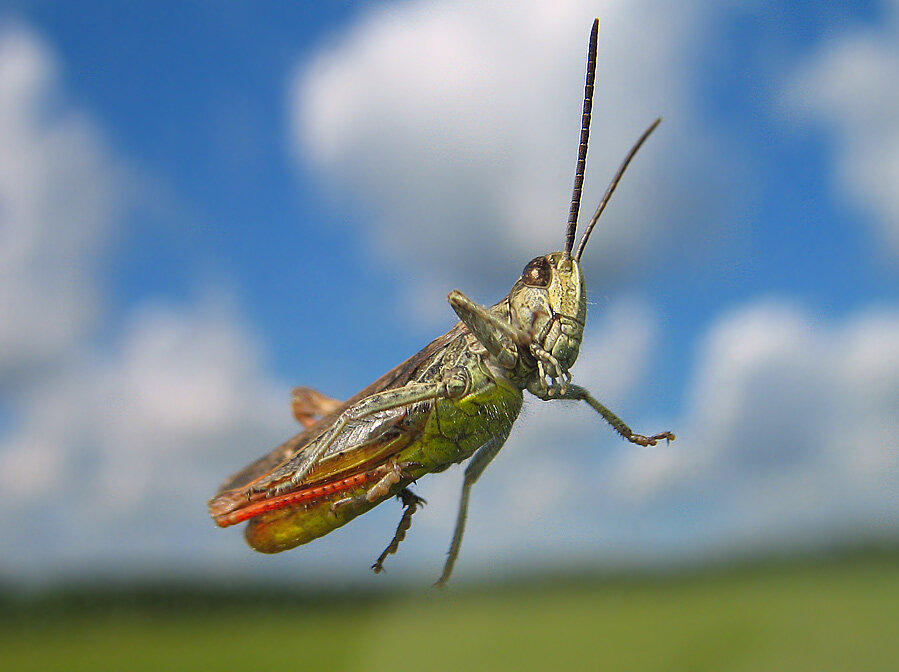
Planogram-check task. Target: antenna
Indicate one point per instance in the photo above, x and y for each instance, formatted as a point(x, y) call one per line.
point(585, 136)
point(611, 188)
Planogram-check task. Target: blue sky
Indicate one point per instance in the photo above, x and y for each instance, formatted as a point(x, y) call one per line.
point(205, 204)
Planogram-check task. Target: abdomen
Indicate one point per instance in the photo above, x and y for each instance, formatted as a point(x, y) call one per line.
point(453, 431)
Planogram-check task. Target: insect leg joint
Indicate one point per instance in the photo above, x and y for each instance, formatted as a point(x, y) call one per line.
point(457, 382)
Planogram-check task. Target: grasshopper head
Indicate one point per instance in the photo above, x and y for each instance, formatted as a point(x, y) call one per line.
point(549, 301)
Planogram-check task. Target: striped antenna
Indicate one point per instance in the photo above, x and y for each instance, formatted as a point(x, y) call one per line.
point(585, 136)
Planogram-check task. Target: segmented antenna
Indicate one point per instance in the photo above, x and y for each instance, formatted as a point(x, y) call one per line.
point(585, 135)
point(611, 188)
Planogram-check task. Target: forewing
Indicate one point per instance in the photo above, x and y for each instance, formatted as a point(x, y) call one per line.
point(360, 443)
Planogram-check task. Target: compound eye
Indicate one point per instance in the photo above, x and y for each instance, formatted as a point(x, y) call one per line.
point(537, 273)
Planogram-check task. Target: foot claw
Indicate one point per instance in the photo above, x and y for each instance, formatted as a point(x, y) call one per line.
point(641, 440)
point(409, 498)
point(405, 469)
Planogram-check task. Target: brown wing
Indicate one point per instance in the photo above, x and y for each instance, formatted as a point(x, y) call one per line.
point(396, 377)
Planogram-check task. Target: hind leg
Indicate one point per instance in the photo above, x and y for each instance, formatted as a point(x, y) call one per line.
point(473, 472)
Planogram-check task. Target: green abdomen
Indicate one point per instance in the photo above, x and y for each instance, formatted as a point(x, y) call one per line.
point(453, 431)
point(456, 428)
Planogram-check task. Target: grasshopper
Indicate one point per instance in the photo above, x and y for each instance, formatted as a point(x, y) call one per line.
point(454, 400)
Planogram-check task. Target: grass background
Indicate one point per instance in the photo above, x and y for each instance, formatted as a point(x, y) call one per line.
point(834, 614)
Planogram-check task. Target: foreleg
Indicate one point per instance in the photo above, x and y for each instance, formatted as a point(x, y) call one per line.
point(503, 340)
point(578, 393)
point(499, 338)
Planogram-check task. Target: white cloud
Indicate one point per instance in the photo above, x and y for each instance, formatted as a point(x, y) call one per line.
point(792, 429)
point(57, 206)
point(850, 87)
point(115, 433)
point(108, 459)
point(788, 441)
point(455, 125)
point(136, 440)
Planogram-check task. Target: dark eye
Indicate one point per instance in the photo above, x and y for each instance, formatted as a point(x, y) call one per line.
point(537, 273)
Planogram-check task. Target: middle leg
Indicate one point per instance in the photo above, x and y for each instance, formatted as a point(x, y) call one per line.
point(411, 503)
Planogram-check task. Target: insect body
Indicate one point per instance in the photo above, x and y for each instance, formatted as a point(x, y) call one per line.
point(454, 400)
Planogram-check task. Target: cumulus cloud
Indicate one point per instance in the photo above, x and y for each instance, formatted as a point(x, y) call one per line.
point(849, 87)
point(115, 431)
point(116, 454)
point(57, 206)
point(454, 126)
point(105, 460)
point(791, 433)
point(788, 441)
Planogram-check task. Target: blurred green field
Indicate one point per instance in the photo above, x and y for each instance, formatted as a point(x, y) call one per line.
point(839, 615)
